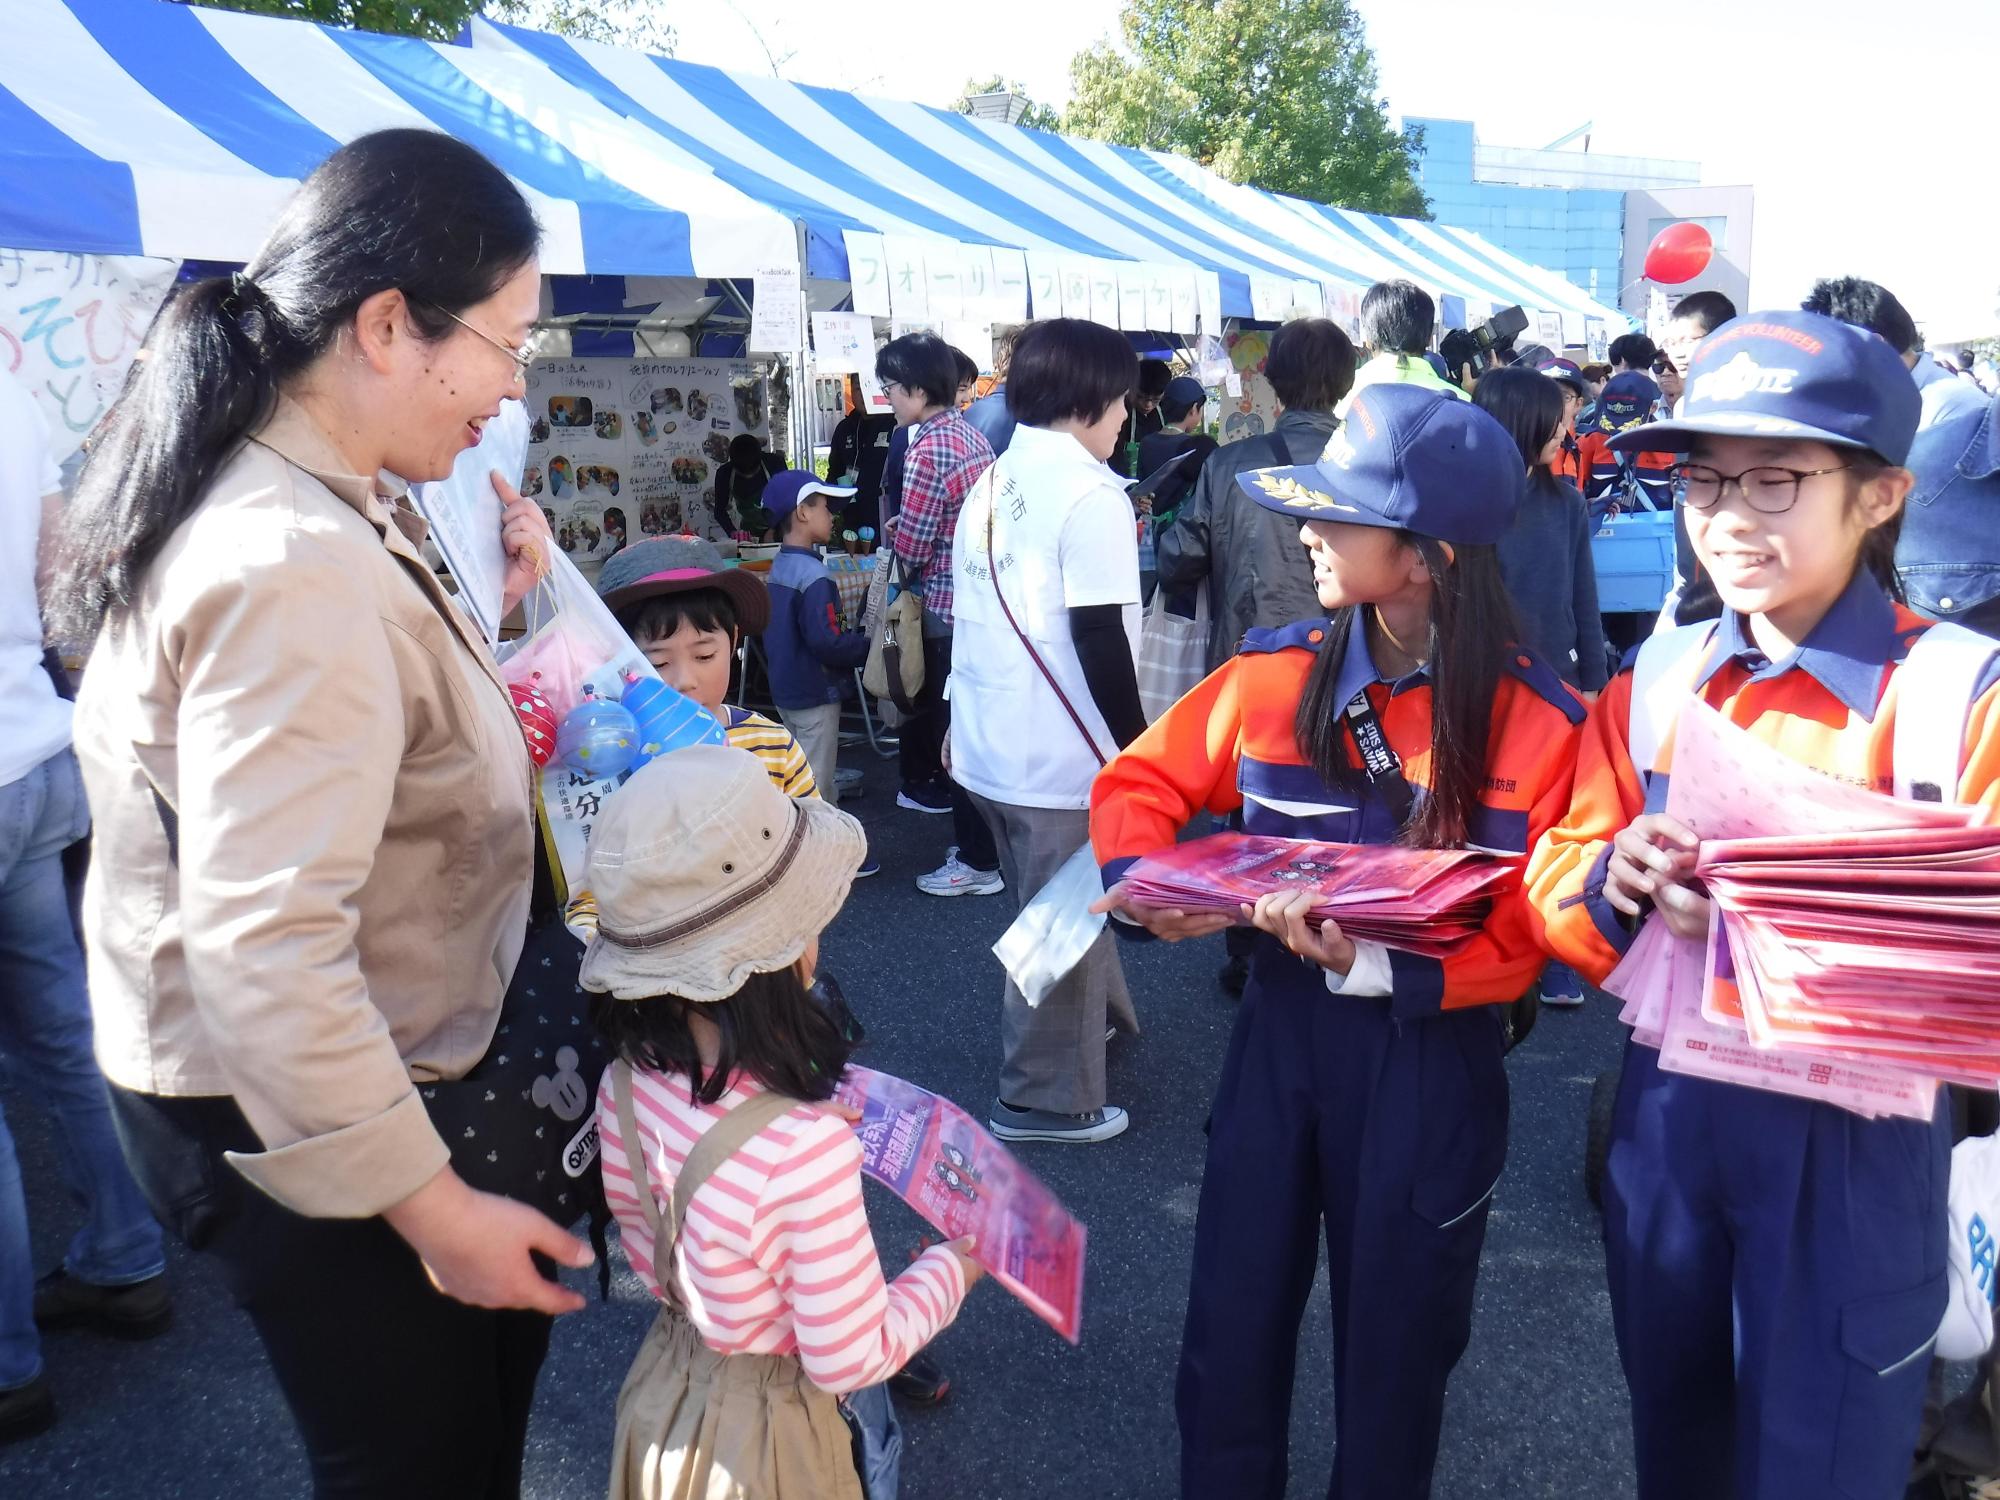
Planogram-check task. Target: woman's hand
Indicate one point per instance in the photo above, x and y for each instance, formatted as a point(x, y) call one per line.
point(475, 1246)
point(524, 534)
point(1162, 921)
point(1283, 914)
point(1653, 860)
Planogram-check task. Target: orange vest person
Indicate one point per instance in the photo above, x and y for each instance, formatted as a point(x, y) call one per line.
point(1363, 1094)
point(1777, 1264)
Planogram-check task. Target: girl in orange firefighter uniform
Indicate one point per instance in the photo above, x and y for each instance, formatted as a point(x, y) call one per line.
point(1777, 1264)
point(1362, 1092)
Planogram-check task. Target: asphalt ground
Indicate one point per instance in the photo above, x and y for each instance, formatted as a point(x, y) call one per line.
point(1536, 1408)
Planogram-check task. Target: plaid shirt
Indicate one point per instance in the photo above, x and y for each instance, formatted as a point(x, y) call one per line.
point(946, 457)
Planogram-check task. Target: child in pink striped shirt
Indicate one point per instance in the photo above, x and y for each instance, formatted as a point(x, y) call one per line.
point(735, 1181)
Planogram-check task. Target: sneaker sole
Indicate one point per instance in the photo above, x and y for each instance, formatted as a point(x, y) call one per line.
point(912, 805)
point(1109, 1130)
point(963, 890)
point(1562, 1002)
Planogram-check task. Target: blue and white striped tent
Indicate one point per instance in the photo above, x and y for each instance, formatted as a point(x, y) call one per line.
point(141, 127)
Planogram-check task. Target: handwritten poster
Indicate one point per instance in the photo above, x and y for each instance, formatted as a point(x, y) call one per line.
point(69, 326)
point(843, 343)
point(867, 272)
point(1010, 285)
point(619, 449)
point(775, 309)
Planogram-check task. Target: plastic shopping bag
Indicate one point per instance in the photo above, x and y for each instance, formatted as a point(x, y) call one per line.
point(1173, 654)
point(1055, 929)
point(614, 713)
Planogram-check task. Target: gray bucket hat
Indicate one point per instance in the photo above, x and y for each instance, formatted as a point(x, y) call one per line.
point(705, 873)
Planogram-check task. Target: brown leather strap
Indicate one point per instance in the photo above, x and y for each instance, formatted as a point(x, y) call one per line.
point(717, 1144)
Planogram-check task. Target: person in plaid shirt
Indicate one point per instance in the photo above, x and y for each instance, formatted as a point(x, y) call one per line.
point(945, 455)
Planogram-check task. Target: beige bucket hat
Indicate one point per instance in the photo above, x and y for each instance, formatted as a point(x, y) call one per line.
point(705, 874)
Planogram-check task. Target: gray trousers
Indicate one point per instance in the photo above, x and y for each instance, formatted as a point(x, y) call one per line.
point(1052, 1055)
point(818, 732)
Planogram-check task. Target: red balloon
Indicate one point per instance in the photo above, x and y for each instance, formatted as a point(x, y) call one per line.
point(1680, 252)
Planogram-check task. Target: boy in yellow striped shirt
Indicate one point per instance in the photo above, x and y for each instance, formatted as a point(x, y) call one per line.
point(688, 611)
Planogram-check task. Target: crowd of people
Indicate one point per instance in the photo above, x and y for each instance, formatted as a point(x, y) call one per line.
point(314, 866)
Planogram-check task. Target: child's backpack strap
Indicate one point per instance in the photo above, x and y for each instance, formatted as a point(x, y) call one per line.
point(1934, 698)
point(718, 1143)
point(1661, 676)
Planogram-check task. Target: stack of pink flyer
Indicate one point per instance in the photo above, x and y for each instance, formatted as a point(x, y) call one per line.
point(940, 1161)
point(1848, 952)
point(1428, 901)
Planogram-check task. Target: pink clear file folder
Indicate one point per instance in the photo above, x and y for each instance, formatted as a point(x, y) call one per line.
point(1427, 901)
point(1847, 954)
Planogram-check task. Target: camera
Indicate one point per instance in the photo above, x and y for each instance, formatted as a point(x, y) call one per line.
point(1482, 346)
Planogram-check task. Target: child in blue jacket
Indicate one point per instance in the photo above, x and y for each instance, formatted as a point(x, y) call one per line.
point(810, 655)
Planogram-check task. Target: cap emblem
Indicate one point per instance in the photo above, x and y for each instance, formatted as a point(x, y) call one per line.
point(1339, 451)
point(1296, 496)
point(1739, 378)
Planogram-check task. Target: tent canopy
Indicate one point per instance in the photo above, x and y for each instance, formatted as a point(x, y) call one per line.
point(164, 129)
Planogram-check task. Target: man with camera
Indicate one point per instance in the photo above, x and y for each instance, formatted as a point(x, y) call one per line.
point(1397, 320)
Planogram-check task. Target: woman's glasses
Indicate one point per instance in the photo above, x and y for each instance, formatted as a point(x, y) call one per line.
point(523, 357)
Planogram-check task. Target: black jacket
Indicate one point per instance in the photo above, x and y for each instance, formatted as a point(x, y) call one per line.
point(1257, 571)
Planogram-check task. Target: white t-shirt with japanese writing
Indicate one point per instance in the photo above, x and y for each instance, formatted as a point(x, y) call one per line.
point(1066, 538)
point(37, 720)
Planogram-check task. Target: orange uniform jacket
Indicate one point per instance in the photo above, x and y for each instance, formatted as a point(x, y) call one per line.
point(1229, 746)
point(1831, 705)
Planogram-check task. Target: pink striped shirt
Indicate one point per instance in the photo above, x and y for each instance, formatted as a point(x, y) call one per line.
point(775, 1256)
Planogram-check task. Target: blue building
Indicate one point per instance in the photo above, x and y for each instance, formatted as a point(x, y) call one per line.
point(1564, 209)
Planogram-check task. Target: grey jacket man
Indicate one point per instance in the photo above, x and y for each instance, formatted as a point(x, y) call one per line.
point(1256, 569)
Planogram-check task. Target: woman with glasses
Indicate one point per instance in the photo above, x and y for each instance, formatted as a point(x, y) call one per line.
point(314, 831)
point(1777, 1263)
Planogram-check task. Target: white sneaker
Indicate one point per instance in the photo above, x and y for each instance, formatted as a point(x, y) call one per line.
point(953, 878)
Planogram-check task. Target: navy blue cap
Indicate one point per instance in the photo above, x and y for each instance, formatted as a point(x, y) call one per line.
point(1182, 395)
point(784, 491)
point(1626, 400)
point(1792, 375)
point(1408, 457)
point(1563, 372)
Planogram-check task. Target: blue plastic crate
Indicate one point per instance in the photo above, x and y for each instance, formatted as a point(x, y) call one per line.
point(1634, 557)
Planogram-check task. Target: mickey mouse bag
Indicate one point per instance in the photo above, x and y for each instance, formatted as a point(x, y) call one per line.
point(523, 1123)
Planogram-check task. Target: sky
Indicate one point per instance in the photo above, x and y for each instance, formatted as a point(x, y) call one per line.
point(1870, 148)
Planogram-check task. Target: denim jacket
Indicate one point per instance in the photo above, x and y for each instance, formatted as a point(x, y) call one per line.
point(1949, 553)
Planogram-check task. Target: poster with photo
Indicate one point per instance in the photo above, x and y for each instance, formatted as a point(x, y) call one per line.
point(626, 448)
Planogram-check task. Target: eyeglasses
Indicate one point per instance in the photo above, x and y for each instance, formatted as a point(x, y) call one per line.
point(1768, 491)
point(523, 357)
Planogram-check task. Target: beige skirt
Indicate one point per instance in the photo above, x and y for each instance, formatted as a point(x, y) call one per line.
point(697, 1425)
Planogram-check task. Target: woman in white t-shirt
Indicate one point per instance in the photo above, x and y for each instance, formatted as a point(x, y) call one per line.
point(1043, 690)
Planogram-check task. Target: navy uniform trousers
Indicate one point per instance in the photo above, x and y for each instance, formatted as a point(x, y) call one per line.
point(1777, 1271)
point(1389, 1133)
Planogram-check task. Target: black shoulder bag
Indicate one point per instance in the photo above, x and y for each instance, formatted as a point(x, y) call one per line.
point(523, 1122)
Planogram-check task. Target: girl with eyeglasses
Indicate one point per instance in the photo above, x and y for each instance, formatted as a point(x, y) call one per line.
point(1776, 1263)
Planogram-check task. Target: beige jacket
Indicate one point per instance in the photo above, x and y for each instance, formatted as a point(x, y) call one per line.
point(354, 823)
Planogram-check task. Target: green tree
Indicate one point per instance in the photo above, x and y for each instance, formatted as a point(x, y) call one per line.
point(1037, 116)
point(1279, 94)
point(629, 23)
point(437, 20)
point(639, 24)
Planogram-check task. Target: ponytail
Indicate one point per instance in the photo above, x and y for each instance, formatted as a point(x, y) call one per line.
point(208, 375)
point(408, 209)
point(1472, 629)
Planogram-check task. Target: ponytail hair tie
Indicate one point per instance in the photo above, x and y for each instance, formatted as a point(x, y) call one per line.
point(246, 303)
